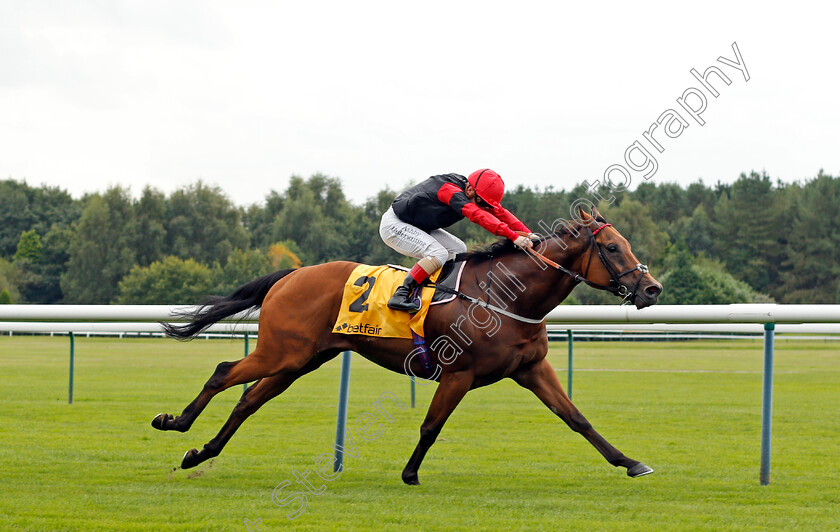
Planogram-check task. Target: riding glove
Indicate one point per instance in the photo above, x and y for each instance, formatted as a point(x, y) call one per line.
point(523, 242)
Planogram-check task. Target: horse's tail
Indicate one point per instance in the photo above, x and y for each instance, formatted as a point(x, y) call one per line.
point(215, 308)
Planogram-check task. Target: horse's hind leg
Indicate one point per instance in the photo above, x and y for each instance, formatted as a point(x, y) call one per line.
point(254, 397)
point(257, 365)
point(541, 379)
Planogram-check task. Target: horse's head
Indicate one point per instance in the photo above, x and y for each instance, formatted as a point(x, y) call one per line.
point(609, 264)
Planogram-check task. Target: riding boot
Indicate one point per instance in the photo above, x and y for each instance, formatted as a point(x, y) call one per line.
point(401, 300)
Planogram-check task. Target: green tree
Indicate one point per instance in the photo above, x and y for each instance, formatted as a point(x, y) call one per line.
point(29, 247)
point(24, 208)
point(258, 219)
point(240, 268)
point(635, 222)
point(682, 285)
point(750, 229)
point(171, 281)
point(31, 281)
point(9, 278)
point(691, 280)
point(812, 268)
point(668, 202)
point(720, 288)
point(203, 224)
point(5, 297)
point(52, 264)
point(696, 230)
point(15, 215)
point(150, 216)
point(586, 295)
point(102, 250)
point(316, 216)
point(699, 195)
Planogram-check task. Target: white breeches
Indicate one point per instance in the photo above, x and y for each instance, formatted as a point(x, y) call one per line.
point(409, 240)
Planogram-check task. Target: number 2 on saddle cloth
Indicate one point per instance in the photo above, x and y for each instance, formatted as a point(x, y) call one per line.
point(364, 308)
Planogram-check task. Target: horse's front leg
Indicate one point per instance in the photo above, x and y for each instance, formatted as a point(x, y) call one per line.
point(541, 379)
point(452, 388)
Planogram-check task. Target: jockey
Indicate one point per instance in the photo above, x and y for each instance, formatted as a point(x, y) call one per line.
point(413, 224)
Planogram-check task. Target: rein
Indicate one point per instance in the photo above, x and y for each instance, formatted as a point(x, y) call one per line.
point(485, 304)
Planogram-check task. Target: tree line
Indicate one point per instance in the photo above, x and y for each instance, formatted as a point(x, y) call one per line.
point(754, 240)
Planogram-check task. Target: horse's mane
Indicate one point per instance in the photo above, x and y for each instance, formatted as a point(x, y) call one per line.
point(497, 248)
point(504, 246)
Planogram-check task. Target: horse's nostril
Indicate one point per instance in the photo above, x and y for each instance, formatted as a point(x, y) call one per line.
point(653, 290)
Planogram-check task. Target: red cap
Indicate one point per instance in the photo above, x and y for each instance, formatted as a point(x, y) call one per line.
point(488, 185)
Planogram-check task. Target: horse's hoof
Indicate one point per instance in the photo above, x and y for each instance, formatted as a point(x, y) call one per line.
point(190, 459)
point(160, 420)
point(639, 470)
point(411, 479)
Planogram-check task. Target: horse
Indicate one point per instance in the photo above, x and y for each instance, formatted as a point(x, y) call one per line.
point(299, 308)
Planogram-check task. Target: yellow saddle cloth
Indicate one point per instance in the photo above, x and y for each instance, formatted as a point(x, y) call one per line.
point(364, 305)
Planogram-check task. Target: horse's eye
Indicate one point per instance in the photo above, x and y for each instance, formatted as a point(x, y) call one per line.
point(612, 248)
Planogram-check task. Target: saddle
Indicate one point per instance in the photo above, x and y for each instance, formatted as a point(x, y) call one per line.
point(449, 282)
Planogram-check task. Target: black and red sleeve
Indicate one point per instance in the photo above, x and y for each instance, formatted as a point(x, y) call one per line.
point(512, 221)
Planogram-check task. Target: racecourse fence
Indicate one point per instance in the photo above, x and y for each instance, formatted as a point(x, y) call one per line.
point(571, 321)
point(556, 332)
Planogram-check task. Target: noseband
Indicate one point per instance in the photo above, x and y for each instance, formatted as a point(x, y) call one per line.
point(615, 286)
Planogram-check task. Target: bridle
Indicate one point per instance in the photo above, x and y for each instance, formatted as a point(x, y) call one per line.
point(615, 286)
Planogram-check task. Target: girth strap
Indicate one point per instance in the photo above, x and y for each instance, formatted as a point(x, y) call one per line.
point(423, 352)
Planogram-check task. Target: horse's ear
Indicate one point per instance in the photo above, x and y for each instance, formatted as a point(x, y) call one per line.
point(583, 215)
point(585, 218)
point(595, 213)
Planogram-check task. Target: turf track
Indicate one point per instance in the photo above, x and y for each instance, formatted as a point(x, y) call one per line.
point(690, 410)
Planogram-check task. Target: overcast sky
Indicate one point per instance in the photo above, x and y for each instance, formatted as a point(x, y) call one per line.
point(163, 93)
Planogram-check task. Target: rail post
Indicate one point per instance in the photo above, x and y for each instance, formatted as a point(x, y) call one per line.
point(571, 350)
point(245, 384)
point(767, 403)
point(72, 363)
point(413, 393)
point(341, 422)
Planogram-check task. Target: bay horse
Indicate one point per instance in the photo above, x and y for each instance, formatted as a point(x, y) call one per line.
point(299, 308)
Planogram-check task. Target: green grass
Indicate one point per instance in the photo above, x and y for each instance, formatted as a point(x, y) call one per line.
point(690, 410)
